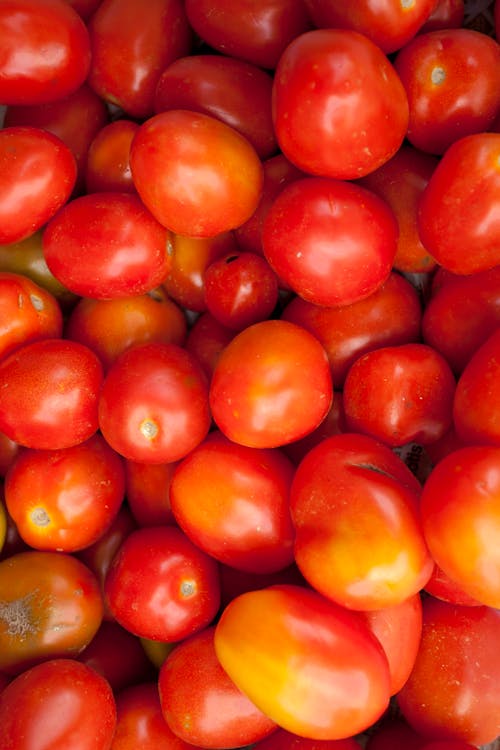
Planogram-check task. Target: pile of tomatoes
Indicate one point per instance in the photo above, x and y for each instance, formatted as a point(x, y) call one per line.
point(249, 375)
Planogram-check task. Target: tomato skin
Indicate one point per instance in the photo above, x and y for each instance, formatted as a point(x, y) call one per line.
point(346, 66)
point(344, 240)
point(107, 163)
point(206, 339)
point(45, 51)
point(31, 715)
point(161, 586)
point(106, 245)
point(203, 706)
point(153, 405)
point(441, 586)
point(197, 175)
point(270, 642)
point(131, 46)
point(457, 209)
point(461, 520)
point(393, 734)
point(447, 14)
point(452, 691)
point(30, 630)
point(347, 490)
point(147, 489)
point(261, 380)
point(37, 175)
point(283, 740)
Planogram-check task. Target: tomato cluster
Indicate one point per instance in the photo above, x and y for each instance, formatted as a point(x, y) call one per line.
point(249, 375)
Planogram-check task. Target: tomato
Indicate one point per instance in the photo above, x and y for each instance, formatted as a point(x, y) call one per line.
point(161, 586)
point(359, 539)
point(107, 163)
point(104, 245)
point(204, 707)
point(45, 51)
point(339, 107)
point(61, 702)
point(235, 582)
point(50, 606)
point(78, 493)
point(283, 740)
point(447, 14)
point(458, 208)
point(389, 316)
point(234, 91)
point(147, 489)
point(452, 690)
point(131, 45)
point(448, 745)
point(310, 665)
point(400, 394)
point(333, 424)
point(461, 520)
point(261, 381)
point(253, 30)
point(344, 240)
point(37, 175)
point(394, 733)
point(233, 502)
point(206, 339)
point(153, 405)
point(441, 586)
point(197, 175)
point(84, 8)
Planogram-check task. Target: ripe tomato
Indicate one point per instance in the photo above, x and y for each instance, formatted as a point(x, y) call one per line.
point(147, 489)
point(107, 163)
point(61, 702)
point(263, 378)
point(50, 605)
point(203, 706)
point(283, 740)
point(310, 665)
point(339, 107)
point(394, 733)
point(197, 175)
point(206, 339)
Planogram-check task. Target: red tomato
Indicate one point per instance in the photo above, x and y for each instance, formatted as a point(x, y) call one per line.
point(153, 406)
point(452, 692)
point(388, 23)
point(79, 491)
point(233, 502)
point(333, 424)
point(147, 489)
point(461, 520)
point(448, 745)
point(394, 733)
point(161, 586)
point(106, 245)
point(37, 176)
point(198, 176)
point(84, 8)
point(344, 240)
point(206, 339)
point(458, 209)
point(50, 606)
point(204, 707)
point(132, 44)
point(310, 665)
point(283, 740)
point(61, 702)
point(447, 14)
point(400, 394)
point(107, 163)
point(441, 586)
point(339, 107)
point(49, 394)
point(45, 51)
point(263, 378)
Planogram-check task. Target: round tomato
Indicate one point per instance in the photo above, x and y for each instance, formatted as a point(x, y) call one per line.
point(107, 162)
point(147, 489)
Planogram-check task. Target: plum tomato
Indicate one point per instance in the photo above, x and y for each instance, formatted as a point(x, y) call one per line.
point(147, 487)
point(271, 385)
point(283, 740)
point(107, 160)
point(310, 665)
point(339, 107)
point(206, 339)
point(447, 14)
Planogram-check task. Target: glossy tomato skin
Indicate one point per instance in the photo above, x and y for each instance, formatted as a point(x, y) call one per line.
point(107, 162)
point(37, 175)
point(447, 99)
point(131, 45)
point(147, 488)
point(261, 381)
point(447, 14)
point(106, 245)
point(51, 606)
point(393, 734)
point(161, 586)
point(457, 210)
point(233, 502)
point(206, 339)
point(45, 51)
point(347, 490)
point(153, 405)
point(78, 493)
point(197, 175)
point(461, 520)
point(50, 394)
point(271, 641)
point(451, 693)
point(344, 240)
point(203, 706)
point(31, 708)
point(368, 122)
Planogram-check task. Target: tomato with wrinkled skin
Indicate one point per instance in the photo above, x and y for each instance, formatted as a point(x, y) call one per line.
point(312, 666)
point(61, 702)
